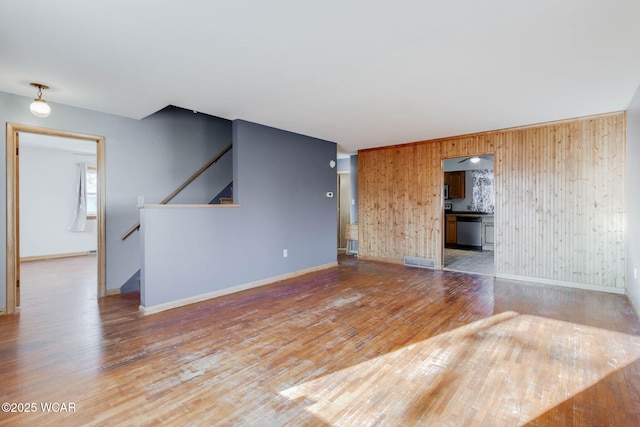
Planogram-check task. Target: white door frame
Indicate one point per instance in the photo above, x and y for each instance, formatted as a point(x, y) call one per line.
point(13, 222)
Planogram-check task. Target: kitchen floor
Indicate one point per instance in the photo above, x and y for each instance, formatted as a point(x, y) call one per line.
point(480, 262)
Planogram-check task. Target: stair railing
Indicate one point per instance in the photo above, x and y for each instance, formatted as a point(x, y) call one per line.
point(183, 186)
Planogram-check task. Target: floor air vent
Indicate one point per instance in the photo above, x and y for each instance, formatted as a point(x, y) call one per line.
point(414, 261)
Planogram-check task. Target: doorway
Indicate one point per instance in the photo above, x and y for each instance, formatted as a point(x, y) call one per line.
point(14, 132)
point(469, 214)
point(344, 209)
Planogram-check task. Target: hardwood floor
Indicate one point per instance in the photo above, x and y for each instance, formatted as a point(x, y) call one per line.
point(364, 343)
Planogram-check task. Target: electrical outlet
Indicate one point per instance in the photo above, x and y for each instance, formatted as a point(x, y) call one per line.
point(285, 253)
point(141, 200)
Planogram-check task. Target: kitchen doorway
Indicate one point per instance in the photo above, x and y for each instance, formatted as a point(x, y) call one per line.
point(469, 213)
point(14, 134)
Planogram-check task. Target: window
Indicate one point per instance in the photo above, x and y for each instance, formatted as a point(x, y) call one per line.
point(92, 193)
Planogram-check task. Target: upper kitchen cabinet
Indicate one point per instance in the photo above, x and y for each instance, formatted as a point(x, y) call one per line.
point(456, 182)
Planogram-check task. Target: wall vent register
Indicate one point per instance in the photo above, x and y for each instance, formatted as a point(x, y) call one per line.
point(413, 261)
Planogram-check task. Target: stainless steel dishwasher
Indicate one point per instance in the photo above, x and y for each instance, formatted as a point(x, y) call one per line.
point(469, 231)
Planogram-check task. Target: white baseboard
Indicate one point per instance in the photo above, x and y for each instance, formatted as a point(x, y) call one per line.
point(609, 289)
point(55, 256)
point(203, 297)
point(110, 292)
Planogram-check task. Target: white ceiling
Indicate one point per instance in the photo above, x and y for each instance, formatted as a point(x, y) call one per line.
point(360, 73)
point(463, 164)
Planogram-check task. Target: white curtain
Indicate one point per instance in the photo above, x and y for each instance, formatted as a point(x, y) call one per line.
point(483, 191)
point(80, 200)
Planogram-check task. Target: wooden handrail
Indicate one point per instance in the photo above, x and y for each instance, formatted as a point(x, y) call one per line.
point(183, 186)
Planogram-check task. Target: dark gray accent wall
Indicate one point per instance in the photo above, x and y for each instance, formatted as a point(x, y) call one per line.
point(226, 193)
point(281, 180)
point(149, 157)
point(131, 285)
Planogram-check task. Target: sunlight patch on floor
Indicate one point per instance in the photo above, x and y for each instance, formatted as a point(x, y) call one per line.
point(504, 370)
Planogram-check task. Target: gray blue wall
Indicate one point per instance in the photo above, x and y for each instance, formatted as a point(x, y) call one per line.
point(280, 180)
point(148, 157)
point(344, 165)
point(633, 204)
point(192, 140)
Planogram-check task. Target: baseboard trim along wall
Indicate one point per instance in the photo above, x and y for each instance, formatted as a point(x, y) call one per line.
point(110, 292)
point(587, 287)
point(199, 298)
point(376, 259)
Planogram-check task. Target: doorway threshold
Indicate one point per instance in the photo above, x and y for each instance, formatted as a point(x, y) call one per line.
point(466, 261)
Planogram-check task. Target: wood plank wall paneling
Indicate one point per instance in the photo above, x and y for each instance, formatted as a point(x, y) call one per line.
point(560, 199)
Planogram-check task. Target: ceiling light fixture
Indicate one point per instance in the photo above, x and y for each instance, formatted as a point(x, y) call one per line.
point(475, 159)
point(39, 106)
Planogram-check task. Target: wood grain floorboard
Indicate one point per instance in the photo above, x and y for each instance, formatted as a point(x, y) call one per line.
point(364, 343)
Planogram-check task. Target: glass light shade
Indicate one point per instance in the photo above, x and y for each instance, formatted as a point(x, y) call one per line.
point(40, 108)
point(475, 159)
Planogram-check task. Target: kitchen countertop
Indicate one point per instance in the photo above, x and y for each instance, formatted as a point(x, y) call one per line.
point(467, 213)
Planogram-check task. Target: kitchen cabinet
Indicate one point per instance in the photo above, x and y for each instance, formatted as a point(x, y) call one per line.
point(450, 230)
point(456, 183)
